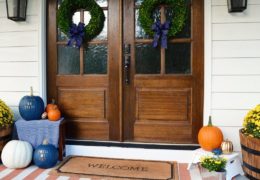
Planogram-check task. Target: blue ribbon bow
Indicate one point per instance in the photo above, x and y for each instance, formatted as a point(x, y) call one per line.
point(76, 35)
point(160, 30)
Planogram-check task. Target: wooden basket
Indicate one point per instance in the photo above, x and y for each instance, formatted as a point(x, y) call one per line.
point(5, 136)
point(250, 155)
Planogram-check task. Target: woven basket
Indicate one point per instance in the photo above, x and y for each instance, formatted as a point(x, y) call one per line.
point(5, 136)
point(250, 155)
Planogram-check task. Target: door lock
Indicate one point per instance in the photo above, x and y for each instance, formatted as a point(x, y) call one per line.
point(127, 69)
point(127, 61)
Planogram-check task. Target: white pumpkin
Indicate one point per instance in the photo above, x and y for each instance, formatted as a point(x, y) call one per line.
point(17, 154)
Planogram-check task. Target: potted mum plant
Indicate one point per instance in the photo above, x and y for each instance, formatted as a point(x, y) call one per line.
point(6, 124)
point(250, 143)
point(213, 167)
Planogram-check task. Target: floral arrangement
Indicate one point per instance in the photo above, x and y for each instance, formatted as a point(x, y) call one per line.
point(213, 163)
point(179, 8)
point(251, 125)
point(6, 115)
point(92, 29)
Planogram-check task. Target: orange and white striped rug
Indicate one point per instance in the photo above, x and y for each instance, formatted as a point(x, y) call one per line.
point(35, 173)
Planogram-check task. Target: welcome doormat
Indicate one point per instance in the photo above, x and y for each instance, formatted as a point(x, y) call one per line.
point(108, 168)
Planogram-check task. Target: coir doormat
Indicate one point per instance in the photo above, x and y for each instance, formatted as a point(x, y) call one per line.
point(107, 168)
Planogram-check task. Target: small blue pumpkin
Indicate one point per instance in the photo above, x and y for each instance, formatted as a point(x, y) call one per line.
point(45, 155)
point(217, 151)
point(31, 107)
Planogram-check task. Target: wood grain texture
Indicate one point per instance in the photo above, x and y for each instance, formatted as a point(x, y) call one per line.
point(82, 81)
point(249, 158)
point(82, 129)
point(102, 107)
point(162, 133)
point(90, 103)
point(155, 107)
point(115, 70)
point(161, 105)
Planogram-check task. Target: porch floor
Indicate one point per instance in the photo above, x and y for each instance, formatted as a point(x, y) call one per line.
point(33, 172)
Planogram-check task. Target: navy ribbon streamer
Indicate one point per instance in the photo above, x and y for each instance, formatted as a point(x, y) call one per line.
point(76, 35)
point(160, 31)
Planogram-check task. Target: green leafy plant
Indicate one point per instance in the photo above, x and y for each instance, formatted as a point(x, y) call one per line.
point(251, 124)
point(213, 163)
point(6, 115)
point(69, 7)
point(179, 11)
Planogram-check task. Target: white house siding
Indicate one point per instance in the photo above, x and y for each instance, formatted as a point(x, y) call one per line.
point(232, 50)
point(21, 54)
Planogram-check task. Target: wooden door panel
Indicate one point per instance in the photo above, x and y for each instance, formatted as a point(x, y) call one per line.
point(85, 82)
point(83, 103)
point(169, 81)
point(161, 107)
point(163, 104)
point(86, 129)
point(162, 132)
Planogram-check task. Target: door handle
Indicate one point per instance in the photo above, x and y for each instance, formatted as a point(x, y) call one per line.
point(127, 61)
point(127, 69)
point(127, 48)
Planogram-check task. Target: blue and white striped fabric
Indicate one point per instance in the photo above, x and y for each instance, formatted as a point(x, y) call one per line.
point(35, 131)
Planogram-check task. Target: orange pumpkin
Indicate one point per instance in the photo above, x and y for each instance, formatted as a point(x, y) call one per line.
point(210, 137)
point(50, 106)
point(54, 114)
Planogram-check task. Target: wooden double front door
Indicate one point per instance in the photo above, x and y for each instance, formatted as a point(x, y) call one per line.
point(120, 88)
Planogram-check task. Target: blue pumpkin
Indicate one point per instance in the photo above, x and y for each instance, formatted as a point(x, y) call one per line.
point(45, 156)
point(31, 107)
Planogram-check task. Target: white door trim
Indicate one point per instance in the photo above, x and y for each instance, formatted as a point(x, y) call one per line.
point(42, 51)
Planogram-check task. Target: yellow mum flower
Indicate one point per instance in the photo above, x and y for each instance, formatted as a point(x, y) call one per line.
point(6, 115)
point(218, 162)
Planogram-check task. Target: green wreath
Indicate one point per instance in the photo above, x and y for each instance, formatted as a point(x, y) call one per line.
point(177, 22)
point(69, 7)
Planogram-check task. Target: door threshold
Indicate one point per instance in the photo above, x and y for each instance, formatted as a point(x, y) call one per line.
point(132, 144)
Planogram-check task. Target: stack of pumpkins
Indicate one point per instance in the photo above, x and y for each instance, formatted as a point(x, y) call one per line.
point(19, 154)
point(32, 108)
point(210, 138)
